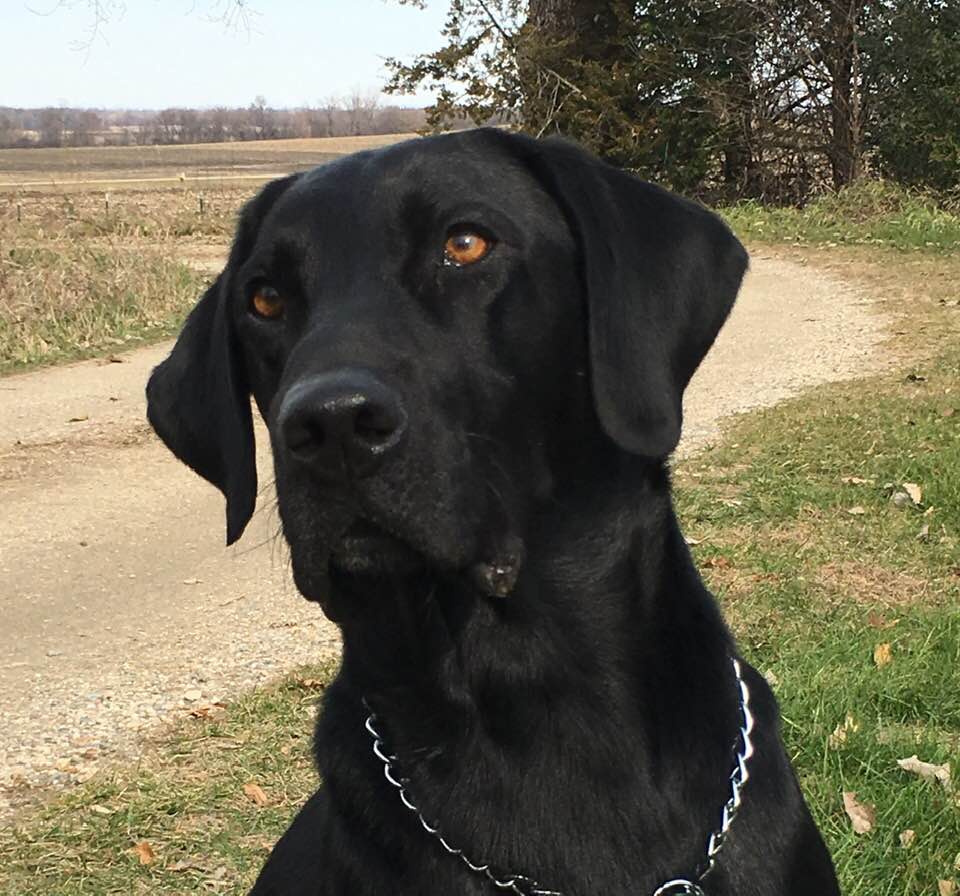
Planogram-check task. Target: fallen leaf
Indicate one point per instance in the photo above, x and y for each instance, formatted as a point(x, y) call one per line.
point(144, 852)
point(907, 837)
point(928, 771)
point(924, 532)
point(839, 736)
point(878, 620)
point(948, 412)
point(185, 865)
point(101, 810)
point(717, 563)
point(191, 581)
point(946, 887)
point(857, 511)
point(312, 683)
point(862, 815)
point(256, 794)
point(882, 654)
point(78, 419)
point(914, 491)
point(692, 542)
point(206, 711)
point(855, 480)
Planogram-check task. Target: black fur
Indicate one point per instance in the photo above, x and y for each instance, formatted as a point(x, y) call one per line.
point(579, 730)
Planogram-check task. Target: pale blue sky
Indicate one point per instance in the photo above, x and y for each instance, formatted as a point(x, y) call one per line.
point(158, 53)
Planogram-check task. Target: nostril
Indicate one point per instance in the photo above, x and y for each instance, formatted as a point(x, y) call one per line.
point(373, 426)
point(304, 436)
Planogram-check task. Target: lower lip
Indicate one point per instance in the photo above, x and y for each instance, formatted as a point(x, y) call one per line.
point(370, 550)
point(366, 544)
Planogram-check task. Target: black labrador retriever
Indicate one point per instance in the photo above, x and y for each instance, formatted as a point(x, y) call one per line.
point(471, 352)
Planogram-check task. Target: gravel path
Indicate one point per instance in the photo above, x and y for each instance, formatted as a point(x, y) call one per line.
point(121, 607)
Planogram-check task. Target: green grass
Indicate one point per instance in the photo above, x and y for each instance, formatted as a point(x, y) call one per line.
point(70, 299)
point(810, 589)
point(185, 798)
point(871, 212)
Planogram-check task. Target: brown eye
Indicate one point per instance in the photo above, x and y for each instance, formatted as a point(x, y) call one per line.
point(267, 303)
point(465, 247)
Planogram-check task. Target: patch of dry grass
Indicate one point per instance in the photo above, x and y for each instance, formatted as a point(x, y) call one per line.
point(66, 300)
point(155, 215)
point(859, 581)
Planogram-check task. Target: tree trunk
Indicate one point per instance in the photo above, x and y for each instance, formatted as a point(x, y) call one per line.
point(843, 63)
point(563, 40)
point(739, 160)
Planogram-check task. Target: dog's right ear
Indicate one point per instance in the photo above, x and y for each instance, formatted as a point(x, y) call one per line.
point(198, 399)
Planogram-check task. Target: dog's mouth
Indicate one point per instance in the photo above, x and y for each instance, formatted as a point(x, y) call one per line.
point(368, 549)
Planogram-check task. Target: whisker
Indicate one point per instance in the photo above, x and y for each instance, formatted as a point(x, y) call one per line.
point(482, 436)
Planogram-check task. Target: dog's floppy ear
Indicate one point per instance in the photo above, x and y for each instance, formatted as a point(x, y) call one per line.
point(661, 274)
point(198, 399)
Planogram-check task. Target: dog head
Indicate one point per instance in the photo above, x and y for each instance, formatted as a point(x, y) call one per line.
point(441, 335)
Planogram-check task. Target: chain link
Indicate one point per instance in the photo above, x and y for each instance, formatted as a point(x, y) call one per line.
point(521, 884)
point(738, 777)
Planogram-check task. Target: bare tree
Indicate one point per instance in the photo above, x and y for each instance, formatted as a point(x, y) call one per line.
point(262, 118)
point(51, 127)
point(9, 133)
point(232, 13)
point(82, 125)
point(361, 113)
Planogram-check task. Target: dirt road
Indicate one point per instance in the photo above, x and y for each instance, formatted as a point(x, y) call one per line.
point(121, 607)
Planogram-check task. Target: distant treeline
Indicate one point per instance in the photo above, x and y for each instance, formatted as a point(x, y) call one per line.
point(355, 116)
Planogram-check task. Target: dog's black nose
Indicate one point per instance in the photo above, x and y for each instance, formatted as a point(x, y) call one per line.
point(346, 420)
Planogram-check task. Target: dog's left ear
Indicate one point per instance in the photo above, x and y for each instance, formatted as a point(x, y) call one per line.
point(198, 399)
point(661, 274)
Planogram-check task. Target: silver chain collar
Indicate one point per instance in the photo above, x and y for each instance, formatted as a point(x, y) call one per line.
point(522, 884)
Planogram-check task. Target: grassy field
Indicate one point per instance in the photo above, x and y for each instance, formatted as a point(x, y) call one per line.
point(847, 593)
point(872, 213)
point(84, 169)
point(842, 589)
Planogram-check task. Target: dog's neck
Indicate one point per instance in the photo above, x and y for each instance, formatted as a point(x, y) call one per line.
point(604, 671)
point(608, 598)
